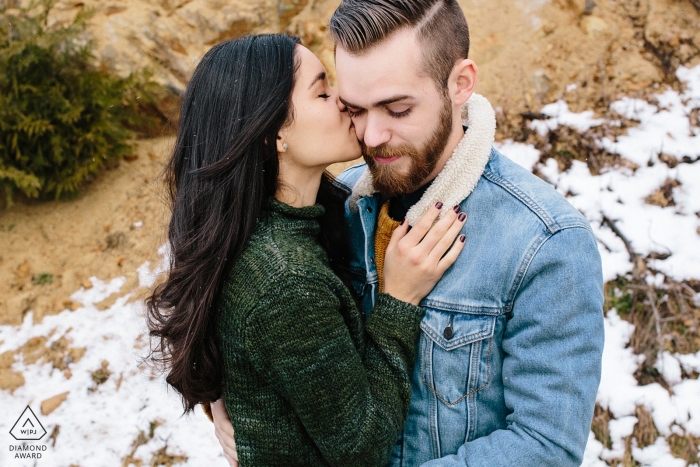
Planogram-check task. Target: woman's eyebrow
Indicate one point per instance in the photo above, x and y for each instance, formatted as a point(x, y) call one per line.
point(319, 77)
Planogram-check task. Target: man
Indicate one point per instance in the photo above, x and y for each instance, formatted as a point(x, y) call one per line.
point(508, 361)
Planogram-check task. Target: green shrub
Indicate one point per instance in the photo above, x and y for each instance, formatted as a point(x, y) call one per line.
point(43, 278)
point(62, 119)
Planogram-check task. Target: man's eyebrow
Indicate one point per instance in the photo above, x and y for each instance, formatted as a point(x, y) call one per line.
point(381, 103)
point(391, 100)
point(318, 77)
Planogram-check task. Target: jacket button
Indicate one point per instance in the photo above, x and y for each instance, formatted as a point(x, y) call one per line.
point(371, 260)
point(448, 333)
point(369, 209)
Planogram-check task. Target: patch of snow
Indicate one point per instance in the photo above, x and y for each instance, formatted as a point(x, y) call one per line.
point(656, 455)
point(561, 115)
point(591, 456)
point(669, 367)
point(620, 429)
point(689, 362)
point(99, 290)
point(676, 412)
point(98, 423)
point(525, 155)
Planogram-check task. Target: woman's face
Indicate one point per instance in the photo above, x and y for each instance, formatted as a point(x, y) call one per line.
point(321, 132)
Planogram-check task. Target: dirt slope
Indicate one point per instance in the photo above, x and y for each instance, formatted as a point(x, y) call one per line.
point(529, 53)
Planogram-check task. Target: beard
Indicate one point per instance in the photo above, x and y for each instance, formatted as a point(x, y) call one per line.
point(387, 180)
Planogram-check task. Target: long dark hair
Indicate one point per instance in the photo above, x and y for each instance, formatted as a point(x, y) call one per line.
point(223, 168)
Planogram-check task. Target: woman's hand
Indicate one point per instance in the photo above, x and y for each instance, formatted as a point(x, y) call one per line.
point(224, 431)
point(417, 258)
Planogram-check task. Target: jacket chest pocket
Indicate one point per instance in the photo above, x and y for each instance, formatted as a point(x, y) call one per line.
point(455, 353)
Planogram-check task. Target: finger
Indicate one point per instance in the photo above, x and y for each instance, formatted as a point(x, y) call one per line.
point(228, 452)
point(231, 453)
point(416, 234)
point(221, 419)
point(448, 238)
point(225, 439)
point(232, 462)
point(398, 233)
point(451, 256)
point(438, 231)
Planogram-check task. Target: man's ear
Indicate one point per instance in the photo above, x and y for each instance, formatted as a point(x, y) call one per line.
point(462, 81)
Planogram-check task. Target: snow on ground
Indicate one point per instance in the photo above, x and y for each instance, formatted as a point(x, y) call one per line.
point(99, 423)
point(618, 195)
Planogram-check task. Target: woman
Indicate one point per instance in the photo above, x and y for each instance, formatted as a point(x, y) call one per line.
point(255, 307)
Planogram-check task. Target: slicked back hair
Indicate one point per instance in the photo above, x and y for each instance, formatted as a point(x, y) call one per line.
point(440, 25)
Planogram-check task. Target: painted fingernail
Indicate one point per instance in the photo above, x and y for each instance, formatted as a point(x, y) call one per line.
point(456, 209)
point(461, 217)
point(462, 238)
point(438, 205)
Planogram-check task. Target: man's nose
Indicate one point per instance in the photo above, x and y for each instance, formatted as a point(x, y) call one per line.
point(374, 133)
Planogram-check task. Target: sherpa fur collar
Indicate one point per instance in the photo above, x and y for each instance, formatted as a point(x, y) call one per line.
point(462, 171)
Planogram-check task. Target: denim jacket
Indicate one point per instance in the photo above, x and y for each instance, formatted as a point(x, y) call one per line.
point(509, 357)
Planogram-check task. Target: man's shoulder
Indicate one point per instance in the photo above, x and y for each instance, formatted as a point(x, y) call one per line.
point(350, 176)
point(531, 193)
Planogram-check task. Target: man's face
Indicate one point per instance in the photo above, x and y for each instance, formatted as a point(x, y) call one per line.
point(401, 119)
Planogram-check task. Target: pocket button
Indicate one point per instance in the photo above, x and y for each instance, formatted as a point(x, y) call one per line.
point(448, 333)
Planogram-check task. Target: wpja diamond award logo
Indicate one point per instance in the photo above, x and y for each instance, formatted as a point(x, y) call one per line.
point(28, 428)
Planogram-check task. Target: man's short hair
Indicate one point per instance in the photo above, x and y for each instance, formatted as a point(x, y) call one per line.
point(441, 30)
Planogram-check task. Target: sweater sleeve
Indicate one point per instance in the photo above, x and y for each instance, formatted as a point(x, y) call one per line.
point(352, 405)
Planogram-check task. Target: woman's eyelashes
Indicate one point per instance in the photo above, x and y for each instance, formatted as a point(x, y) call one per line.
point(324, 96)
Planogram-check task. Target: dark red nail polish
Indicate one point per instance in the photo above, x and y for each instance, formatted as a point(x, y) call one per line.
point(462, 238)
point(456, 209)
point(461, 217)
point(438, 205)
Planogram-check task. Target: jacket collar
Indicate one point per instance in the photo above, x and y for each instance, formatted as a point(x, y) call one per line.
point(462, 171)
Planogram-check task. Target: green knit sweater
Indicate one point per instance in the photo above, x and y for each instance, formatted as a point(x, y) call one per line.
point(307, 381)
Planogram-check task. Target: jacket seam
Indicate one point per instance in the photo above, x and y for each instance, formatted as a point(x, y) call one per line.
point(527, 262)
point(533, 206)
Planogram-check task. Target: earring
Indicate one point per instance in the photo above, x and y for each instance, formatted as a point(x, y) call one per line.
point(285, 145)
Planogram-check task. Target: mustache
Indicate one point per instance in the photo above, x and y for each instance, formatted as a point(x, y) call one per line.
point(386, 152)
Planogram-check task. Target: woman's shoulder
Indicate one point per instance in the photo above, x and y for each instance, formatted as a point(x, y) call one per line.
point(273, 262)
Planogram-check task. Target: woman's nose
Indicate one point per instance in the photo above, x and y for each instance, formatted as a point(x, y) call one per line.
point(342, 107)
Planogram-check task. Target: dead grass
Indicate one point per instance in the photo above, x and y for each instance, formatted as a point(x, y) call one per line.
point(162, 457)
point(159, 457)
point(645, 431)
point(678, 324)
point(663, 196)
point(684, 447)
point(565, 144)
point(600, 427)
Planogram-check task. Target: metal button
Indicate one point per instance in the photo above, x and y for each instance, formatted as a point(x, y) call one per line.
point(448, 333)
point(371, 260)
